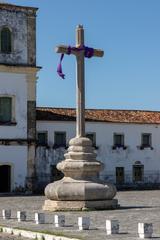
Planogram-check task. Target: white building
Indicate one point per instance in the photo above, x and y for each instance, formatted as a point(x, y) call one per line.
point(127, 142)
point(17, 96)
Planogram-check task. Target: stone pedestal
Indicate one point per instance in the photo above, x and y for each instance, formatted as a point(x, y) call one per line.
point(80, 189)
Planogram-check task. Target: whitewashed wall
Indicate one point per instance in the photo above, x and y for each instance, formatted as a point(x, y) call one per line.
point(15, 85)
point(16, 157)
point(104, 140)
point(12, 84)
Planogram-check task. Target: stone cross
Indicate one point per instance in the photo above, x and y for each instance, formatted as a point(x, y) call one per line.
point(80, 75)
point(80, 187)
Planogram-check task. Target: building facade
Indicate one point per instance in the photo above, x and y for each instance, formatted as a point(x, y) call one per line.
point(126, 142)
point(18, 72)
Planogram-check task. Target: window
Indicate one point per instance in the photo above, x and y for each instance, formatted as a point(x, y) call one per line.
point(146, 140)
point(60, 139)
point(118, 140)
point(92, 137)
point(5, 109)
point(5, 40)
point(42, 138)
point(138, 172)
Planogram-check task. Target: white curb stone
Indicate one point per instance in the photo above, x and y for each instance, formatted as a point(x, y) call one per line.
point(16, 232)
point(28, 234)
point(21, 216)
point(39, 218)
point(59, 220)
point(112, 227)
point(33, 235)
point(145, 230)
point(83, 223)
point(7, 230)
point(6, 213)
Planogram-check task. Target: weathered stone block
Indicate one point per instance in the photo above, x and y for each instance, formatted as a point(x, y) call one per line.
point(83, 223)
point(59, 220)
point(79, 205)
point(21, 216)
point(39, 218)
point(145, 230)
point(112, 227)
point(6, 213)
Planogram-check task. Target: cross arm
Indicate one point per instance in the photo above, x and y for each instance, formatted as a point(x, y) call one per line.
point(64, 49)
point(98, 53)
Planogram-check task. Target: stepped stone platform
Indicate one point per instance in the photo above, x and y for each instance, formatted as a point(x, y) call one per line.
point(136, 206)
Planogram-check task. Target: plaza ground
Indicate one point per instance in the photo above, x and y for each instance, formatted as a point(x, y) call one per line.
point(10, 237)
point(136, 206)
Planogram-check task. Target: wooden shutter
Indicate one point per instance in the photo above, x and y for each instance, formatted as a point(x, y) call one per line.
point(5, 109)
point(42, 138)
point(60, 138)
point(5, 40)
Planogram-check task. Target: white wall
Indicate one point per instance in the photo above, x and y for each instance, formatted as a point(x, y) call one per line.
point(16, 157)
point(51, 127)
point(15, 85)
point(119, 157)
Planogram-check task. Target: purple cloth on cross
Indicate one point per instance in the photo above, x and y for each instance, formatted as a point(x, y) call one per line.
point(59, 68)
point(88, 53)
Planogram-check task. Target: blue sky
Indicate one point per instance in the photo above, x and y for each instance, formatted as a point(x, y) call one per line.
point(127, 77)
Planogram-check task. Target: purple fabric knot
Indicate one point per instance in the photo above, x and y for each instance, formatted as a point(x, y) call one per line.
point(69, 50)
point(88, 53)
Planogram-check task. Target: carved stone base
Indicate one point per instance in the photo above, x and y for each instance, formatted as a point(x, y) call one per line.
point(68, 189)
point(80, 187)
point(50, 205)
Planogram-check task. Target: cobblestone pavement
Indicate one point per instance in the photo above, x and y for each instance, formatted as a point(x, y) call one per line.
point(136, 206)
point(10, 237)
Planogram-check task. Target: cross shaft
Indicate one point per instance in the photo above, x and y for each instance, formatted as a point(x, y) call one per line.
point(80, 76)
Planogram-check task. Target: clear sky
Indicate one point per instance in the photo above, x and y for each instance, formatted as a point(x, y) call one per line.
point(127, 77)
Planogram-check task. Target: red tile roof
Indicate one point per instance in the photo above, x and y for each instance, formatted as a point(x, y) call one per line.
point(99, 115)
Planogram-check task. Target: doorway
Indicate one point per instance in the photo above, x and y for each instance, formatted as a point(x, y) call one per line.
point(5, 178)
point(119, 175)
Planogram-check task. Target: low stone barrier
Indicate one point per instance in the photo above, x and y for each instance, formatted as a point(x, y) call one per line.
point(112, 227)
point(33, 235)
point(21, 216)
point(6, 214)
point(59, 220)
point(39, 218)
point(145, 230)
point(83, 223)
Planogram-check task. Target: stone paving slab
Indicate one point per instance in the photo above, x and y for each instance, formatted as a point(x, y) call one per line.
point(136, 206)
point(4, 236)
